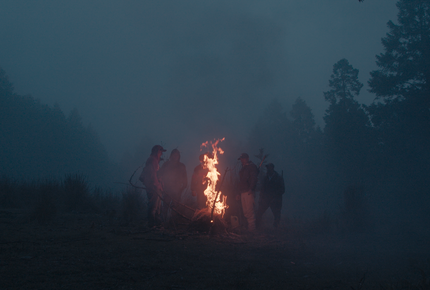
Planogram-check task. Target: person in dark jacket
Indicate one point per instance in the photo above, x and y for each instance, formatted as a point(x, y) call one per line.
point(149, 179)
point(199, 183)
point(173, 176)
point(248, 177)
point(271, 195)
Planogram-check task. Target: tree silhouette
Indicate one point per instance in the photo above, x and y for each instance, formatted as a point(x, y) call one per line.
point(307, 138)
point(405, 66)
point(344, 83)
point(37, 141)
point(295, 148)
point(6, 87)
point(401, 112)
point(272, 131)
point(303, 121)
point(347, 125)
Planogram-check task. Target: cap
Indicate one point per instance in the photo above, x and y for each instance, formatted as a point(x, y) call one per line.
point(157, 148)
point(270, 165)
point(243, 156)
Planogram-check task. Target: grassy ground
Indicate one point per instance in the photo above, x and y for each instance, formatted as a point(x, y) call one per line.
point(102, 242)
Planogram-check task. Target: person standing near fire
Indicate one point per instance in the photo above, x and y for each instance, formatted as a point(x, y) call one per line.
point(173, 176)
point(154, 189)
point(248, 177)
point(271, 195)
point(199, 183)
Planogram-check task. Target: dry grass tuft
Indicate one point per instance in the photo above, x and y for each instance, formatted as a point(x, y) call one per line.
point(133, 205)
point(8, 193)
point(77, 194)
point(46, 201)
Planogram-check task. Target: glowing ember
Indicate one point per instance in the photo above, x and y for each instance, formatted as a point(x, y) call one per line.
point(210, 163)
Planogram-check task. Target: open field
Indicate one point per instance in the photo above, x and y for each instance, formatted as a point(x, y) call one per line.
point(65, 235)
point(94, 251)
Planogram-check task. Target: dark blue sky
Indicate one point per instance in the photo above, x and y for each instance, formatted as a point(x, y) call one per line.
point(183, 72)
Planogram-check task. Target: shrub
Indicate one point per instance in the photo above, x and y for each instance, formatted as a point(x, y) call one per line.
point(105, 199)
point(133, 206)
point(8, 193)
point(46, 201)
point(77, 193)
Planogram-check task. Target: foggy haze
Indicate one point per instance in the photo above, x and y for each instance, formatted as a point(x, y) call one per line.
point(96, 84)
point(183, 72)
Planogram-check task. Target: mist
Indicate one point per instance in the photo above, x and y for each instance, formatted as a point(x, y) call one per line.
point(89, 87)
point(180, 71)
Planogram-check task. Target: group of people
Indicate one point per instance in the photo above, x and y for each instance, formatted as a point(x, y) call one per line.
point(165, 185)
point(271, 192)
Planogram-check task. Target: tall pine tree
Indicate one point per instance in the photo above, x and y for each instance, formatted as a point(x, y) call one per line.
point(405, 66)
point(401, 113)
point(346, 129)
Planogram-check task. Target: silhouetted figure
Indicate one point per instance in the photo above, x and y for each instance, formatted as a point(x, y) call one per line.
point(199, 183)
point(173, 176)
point(248, 175)
point(154, 189)
point(271, 195)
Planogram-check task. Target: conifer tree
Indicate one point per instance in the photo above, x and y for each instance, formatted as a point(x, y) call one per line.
point(346, 129)
point(401, 112)
point(404, 67)
point(303, 120)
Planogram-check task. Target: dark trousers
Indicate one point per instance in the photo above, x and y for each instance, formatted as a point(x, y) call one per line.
point(275, 204)
point(154, 207)
point(169, 200)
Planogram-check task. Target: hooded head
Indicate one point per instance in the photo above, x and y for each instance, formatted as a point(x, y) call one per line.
point(270, 168)
point(175, 155)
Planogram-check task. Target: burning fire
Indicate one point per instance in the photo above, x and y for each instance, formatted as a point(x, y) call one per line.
point(210, 162)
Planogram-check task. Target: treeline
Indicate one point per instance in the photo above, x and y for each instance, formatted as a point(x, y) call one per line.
point(39, 141)
point(382, 148)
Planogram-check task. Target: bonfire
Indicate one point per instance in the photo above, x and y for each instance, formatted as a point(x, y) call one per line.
point(216, 203)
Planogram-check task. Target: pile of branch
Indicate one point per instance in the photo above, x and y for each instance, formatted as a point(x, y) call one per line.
point(202, 222)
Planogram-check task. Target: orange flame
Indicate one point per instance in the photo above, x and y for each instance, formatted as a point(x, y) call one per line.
point(210, 163)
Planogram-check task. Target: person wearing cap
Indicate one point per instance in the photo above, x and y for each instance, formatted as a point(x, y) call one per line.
point(173, 176)
point(248, 177)
point(271, 195)
point(149, 178)
point(199, 183)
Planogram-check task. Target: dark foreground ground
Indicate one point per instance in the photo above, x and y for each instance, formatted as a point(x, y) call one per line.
point(81, 251)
